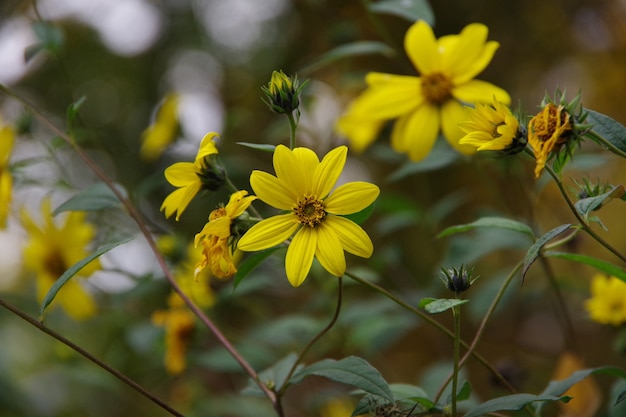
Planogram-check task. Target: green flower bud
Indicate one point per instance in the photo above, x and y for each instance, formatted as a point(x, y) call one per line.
point(282, 94)
point(458, 280)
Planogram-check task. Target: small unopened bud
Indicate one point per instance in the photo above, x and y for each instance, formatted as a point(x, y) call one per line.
point(458, 280)
point(282, 94)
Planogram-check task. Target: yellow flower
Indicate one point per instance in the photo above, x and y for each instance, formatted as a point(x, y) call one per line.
point(162, 132)
point(7, 140)
point(302, 187)
point(51, 250)
point(216, 235)
point(547, 131)
point(337, 408)
point(179, 324)
point(432, 102)
point(607, 304)
point(492, 128)
point(190, 178)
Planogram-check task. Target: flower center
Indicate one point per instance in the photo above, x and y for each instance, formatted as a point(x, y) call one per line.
point(55, 264)
point(437, 88)
point(309, 211)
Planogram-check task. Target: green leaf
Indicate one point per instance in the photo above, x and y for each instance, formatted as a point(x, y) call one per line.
point(499, 222)
point(73, 270)
point(274, 376)
point(251, 263)
point(349, 50)
point(411, 10)
point(353, 371)
point(96, 197)
point(465, 391)
point(258, 146)
point(587, 205)
point(610, 133)
point(604, 266)
point(439, 305)
point(72, 111)
point(362, 215)
point(533, 252)
point(511, 403)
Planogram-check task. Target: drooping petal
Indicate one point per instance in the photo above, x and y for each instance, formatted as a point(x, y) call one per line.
point(179, 199)
point(300, 255)
point(453, 113)
point(417, 133)
point(207, 146)
point(477, 91)
point(238, 203)
point(351, 198)
point(294, 168)
point(329, 251)
point(219, 228)
point(328, 171)
point(269, 232)
point(352, 237)
point(393, 96)
point(181, 174)
point(272, 190)
point(421, 47)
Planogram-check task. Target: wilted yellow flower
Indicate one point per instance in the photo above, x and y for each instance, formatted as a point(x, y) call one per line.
point(216, 236)
point(547, 131)
point(51, 250)
point(492, 127)
point(302, 187)
point(607, 304)
point(7, 140)
point(162, 132)
point(190, 178)
point(432, 102)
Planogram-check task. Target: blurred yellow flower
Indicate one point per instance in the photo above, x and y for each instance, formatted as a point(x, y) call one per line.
point(337, 408)
point(7, 140)
point(491, 127)
point(162, 132)
point(216, 235)
point(547, 131)
point(190, 178)
point(430, 103)
point(302, 187)
point(607, 304)
point(51, 250)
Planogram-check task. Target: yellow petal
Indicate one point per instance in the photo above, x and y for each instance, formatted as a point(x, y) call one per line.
point(219, 227)
point(273, 191)
point(352, 237)
point(453, 113)
point(7, 139)
point(476, 91)
point(76, 302)
point(238, 203)
point(417, 133)
point(360, 131)
point(421, 47)
point(179, 199)
point(300, 255)
point(393, 96)
point(477, 65)
point(328, 171)
point(181, 174)
point(351, 198)
point(269, 232)
point(329, 251)
point(295, 168)
point(207, 146)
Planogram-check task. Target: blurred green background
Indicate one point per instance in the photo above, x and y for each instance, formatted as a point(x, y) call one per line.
point(124, 56)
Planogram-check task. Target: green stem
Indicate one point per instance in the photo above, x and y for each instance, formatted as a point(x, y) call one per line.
point(141, 224)
point(456, 311)
point(293, 125)
point(435, 324)
point(32, 321)
point(332, 322)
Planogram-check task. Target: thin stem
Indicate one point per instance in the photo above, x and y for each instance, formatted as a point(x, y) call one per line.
point(583, 223)
point(435, 324)
point(315, 339)
point(293, 125)
point(141, 224)
point(456, 311)
point(32, 321)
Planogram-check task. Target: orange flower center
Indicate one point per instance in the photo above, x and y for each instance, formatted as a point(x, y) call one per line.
point(437, 88)
point(309, 211)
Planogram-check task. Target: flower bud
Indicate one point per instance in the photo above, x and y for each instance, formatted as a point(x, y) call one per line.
point(282, 94)
point(458, 280)
point(212, 174)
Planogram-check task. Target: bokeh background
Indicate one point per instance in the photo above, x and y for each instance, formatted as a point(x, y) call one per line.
point(125, 56)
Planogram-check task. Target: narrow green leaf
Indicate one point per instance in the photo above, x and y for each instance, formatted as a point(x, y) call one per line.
point(72, 111)
point(353, 371)
point(251, 263)
point(604, 266)
point(439, 305)
point(73, 270)
point(96, 197)
point(533, 252)
point(587, 205)
point(511, 403)
point(349, 50)
point(258, 146)
point(610, 132)
point(465, 391)
point(362, 215)
point(411, 10)
point(499, 222)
